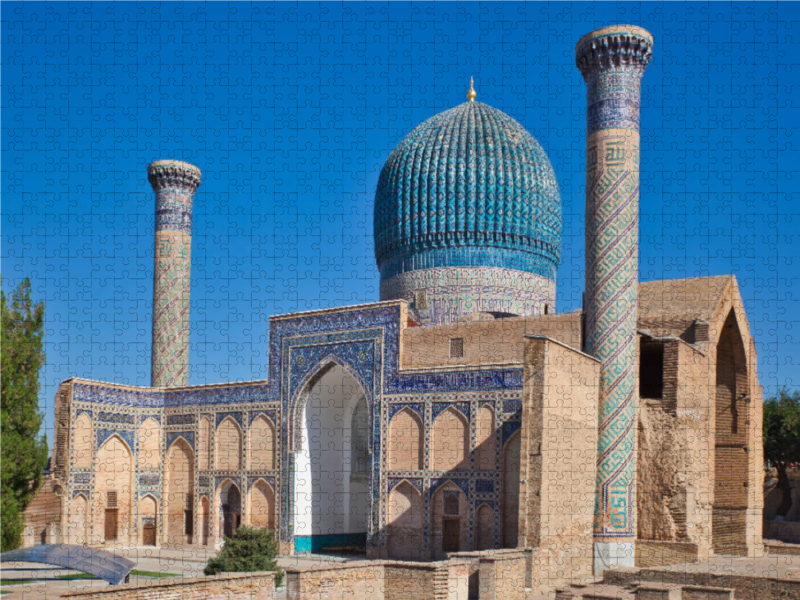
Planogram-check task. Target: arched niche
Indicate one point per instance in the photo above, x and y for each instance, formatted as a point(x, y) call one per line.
point(179, 497)
point(262, 505)
point(228, 446)
point(262, 443)
point(113, 499)
point(449, 521)
point(450, 443)
point(405, 512)
point(405, 441)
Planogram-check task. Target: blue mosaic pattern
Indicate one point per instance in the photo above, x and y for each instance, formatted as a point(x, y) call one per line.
point(82, 478)
point(438, 408)
point(186, 435)
point(237, 481)
point(236, 416)
point(104, 434)
point(149, 480)
point(156, 417)
point(416, 407)
point(203, 481)
point(467, 193)
point(612, 63)
point(509, 429)
point(115, 418)
point(462, 483)
point(85, 493)
point(484, 486)
point(180, 419)
point(251, 481)
point(417, 483)
point(83, 411)
point(512, 406)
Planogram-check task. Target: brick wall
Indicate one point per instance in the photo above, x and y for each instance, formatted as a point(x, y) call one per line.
point(747, 587)
point(558, 470)
point(230, 586)
point(380, 580)
point(502, 576)
point(652, 553)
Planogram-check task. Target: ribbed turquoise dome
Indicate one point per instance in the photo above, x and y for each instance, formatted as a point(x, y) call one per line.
point(468, 187)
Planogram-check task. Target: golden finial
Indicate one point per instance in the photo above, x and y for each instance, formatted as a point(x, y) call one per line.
point(471, 93)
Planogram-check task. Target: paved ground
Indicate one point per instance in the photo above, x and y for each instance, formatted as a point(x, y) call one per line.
point(44, 582)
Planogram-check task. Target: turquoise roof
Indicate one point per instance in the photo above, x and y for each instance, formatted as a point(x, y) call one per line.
point(469, 186)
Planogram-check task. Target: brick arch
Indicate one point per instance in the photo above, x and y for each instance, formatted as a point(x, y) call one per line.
point(79, 520)
point(113, 474)
point(179, 493)
point(484, 527)
point(449, 531)
point(228, 445)
point(261, 505)
point(406, 441)
point(450, 441)
point(262, 444)
point(732, 407)
point(405, 520)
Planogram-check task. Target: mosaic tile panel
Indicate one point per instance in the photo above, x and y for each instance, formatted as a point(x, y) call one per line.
point(174, 183)
point(612, 61)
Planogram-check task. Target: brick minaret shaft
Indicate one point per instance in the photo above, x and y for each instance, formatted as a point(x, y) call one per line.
point(612, 61)
point(174, 183)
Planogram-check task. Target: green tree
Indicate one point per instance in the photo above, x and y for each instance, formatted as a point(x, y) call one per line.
point(249, 550)
point(24, 449)
point(782, 440)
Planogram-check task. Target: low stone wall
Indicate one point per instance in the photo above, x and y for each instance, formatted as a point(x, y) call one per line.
point(785, 531)
point(228, 586)
point(747, 587)
point(380, 580)
point(359, 579)
point(774, 547)
point(502, 576)
point(656, 553)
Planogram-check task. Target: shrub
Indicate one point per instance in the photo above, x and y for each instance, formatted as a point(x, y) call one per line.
point(249, 550)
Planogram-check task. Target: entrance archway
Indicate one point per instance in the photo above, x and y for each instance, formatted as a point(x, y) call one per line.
point(230, 502)
point(331, 498)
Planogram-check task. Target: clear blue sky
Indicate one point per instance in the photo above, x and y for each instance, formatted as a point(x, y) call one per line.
point(291, 110)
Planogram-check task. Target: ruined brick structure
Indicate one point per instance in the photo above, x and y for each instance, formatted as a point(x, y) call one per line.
point(460, 413)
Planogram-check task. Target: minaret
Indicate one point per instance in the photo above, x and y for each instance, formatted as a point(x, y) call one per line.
point(174, 183)
point(612, 61)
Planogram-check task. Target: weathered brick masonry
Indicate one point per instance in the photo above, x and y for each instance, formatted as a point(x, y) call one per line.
point(229, 586)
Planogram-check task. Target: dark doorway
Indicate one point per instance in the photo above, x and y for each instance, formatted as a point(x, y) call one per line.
point(112, 514)
point(149, 534)
point(452, 535)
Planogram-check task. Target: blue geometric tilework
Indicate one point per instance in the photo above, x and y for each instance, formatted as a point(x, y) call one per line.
point(180, 419)
point(236, 416)
point(414, 406)
point(118, 419)
point(509, 429)
point(438, 408)
point(484, 486)
point(186, 435)
point(237, 481)
point(104, 434)
point(462, 483)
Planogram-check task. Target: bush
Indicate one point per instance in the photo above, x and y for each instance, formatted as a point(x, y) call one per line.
point(249, 550)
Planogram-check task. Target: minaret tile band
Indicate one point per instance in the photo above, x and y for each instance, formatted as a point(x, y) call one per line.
point(174, 183)
point(612, 61)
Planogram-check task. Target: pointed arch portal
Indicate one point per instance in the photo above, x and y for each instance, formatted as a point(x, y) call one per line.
point(331, 498)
